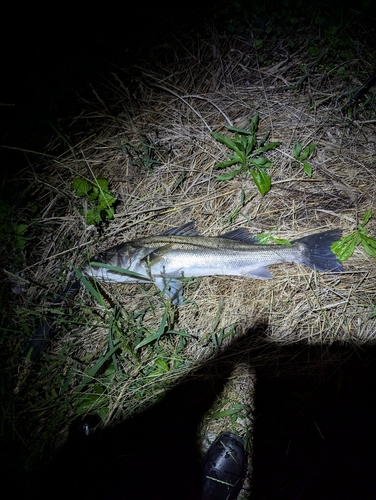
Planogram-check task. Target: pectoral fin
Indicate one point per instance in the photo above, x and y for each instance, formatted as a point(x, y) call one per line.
point(171, 288)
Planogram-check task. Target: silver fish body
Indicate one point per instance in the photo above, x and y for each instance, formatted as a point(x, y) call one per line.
point(183, 253)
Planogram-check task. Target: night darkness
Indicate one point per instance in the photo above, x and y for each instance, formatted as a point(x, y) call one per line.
point(50, 61)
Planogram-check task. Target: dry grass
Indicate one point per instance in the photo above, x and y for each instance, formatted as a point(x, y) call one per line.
point(172, 110)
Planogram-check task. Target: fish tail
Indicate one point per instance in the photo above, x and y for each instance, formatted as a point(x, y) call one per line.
point(317, 253)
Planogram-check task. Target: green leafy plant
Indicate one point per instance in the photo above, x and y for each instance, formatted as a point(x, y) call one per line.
point(247, 153)
point(99, 196)
point(345, 247)
point(266, 238)
point(162, 330)
point(144, 155)
point(301, 155)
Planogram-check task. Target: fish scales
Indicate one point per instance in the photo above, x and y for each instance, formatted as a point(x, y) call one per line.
point(216, 255)
point(182, 253)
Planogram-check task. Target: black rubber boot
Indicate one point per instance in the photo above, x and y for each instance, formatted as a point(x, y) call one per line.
point(224, 468)
point(82, 427)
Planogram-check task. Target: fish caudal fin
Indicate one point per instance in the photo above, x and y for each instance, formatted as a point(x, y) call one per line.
point(317, 253)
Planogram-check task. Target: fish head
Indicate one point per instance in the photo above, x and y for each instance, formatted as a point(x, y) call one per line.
point(125, 266)
point(98, 272)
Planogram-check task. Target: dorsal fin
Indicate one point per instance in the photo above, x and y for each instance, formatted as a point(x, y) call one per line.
point(241, 234)
point(186, 230)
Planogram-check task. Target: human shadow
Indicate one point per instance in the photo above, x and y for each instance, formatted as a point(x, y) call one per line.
point(154, 454)
point(314, 433)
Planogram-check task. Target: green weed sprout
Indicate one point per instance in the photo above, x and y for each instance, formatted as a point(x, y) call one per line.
point(247, 153)
point(345, 247)
point(99, 196)
point(266, 238)
point(301, 155)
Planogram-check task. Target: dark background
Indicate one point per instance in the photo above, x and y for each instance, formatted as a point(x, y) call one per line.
point(53, 57)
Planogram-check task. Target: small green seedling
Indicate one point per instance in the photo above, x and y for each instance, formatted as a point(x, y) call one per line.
point(99, 196)
point(266, 238)
point(345, 247)
point(247, 153)
point(301, 155)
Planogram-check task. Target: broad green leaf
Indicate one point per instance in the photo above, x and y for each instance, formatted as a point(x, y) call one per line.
point(240, 141)
point(307, 168)
point(226, 141)
point(307, 152)
point(369, 245)
point(227, 163)
point(261, 162)
point(94, 193)
point(262, 180)
point(93, 217)
point(282, 241)
point(297, 150)
point(251, 142)
point(81, 186)
point(264, 238)
point(20, 229)
point(311, 148)
point(228, 175)
point(86, 403)
point(106, 200)
point(254, 124)
point(162, 364)
point(20, 242)
point(109, 213)
point(366, 217)
point(102, 183)
point(240, 154)
point(345, 247)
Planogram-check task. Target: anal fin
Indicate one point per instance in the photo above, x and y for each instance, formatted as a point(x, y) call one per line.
point(261, 273)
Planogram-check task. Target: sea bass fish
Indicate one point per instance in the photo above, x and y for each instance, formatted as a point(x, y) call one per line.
point(182, 253)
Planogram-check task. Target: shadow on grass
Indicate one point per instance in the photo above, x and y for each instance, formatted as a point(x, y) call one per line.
point(154, 454)
point(314, 431)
